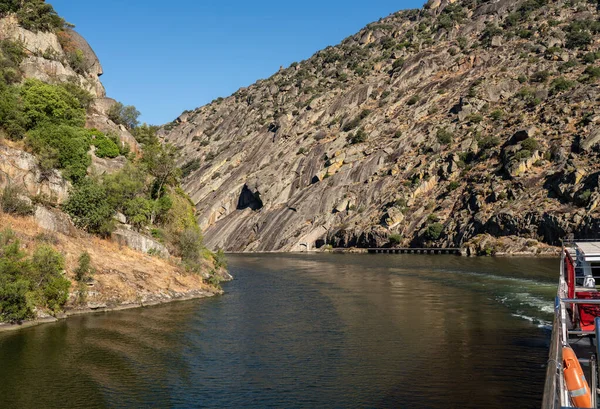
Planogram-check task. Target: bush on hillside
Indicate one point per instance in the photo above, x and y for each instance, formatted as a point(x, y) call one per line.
point(13, 202)
point(45, 103)
point(12, 119)
point(434, 231)
point(444, 136)
point(84, 269)
point(105, 147)
point(89, 207)
point(36, 15)
point(27, 282)
point(63, 147)
point(359, 137)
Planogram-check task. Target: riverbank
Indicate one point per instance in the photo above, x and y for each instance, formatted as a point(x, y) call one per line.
point(151, 301)
point(122, 278)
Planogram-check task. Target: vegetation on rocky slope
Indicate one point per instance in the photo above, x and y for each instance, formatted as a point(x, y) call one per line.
point(428, 127)
point(139, 191)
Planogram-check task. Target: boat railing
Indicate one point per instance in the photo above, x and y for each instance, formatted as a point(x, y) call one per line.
point(555, 394)
point(553, 389)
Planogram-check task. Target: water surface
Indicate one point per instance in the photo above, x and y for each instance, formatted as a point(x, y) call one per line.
point(306, 331)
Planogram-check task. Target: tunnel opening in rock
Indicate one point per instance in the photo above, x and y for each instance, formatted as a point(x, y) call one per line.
point(249, 200)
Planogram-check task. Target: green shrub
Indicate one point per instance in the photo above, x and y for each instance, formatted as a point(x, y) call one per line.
point(359, 137)
point(590, 58)
point(64, 147)
point(89, 207)
point(413, 100)
point(523, 154)
point(29, 282)
point(46, 264)
point(139, 211)
point(530, 144)
point(146, 134)
point(76, 60)
point(84, 268)
point(489, 142)
point(395, 239)
point(590, 74)
point(12, 54)
point(434, 231)
point(123, 186)
point(540, 76)
point(56, 293)
point(220, 259)
point(398, 64)
point(11, 202)
point(84, 97)
point(190, 167)
point(561, 84)
point(584, 198)
point(105, 147)
point(497, 115)
point(14, 305)
point(444, 136)
point(12, 119)
point(46, 103)
point(190, 245)
point(452, 186)
point(578, 35)
point(475, 118)
point(489, 33)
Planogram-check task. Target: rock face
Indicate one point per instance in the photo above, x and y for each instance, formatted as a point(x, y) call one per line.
point(21, 169)
point(47, 59)
point(137, 241)
point(438, 125)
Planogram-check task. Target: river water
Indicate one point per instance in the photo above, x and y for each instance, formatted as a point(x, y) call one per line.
point(306, 331)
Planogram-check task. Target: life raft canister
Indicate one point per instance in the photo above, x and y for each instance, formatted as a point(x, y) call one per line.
point(578, 387)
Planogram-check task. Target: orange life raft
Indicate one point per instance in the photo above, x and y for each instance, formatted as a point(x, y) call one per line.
point(578, 387)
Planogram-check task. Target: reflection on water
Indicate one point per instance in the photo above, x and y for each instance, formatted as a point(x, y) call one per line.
point(336, 331)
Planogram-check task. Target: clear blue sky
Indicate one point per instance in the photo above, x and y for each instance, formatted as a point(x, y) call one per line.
point(168, 56)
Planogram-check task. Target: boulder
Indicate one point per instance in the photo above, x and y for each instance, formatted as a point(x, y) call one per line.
point(125, 236)
point(393, 217)
point(55, 221)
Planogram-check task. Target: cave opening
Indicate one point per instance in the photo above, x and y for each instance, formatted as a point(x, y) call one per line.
point(249, 200)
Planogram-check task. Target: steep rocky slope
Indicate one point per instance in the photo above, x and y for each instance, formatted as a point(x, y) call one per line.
point(428, 127)
point(128, 268)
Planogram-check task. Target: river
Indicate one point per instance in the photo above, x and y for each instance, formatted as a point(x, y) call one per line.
point(306, 331)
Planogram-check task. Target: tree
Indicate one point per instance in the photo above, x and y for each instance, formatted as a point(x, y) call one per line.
point(161, 161)
point(84, 268)
point(146, 134)
point(125, 185)
point(89, 207)
point(124, 115)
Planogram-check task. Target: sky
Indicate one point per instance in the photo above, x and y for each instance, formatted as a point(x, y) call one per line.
point(166, 57)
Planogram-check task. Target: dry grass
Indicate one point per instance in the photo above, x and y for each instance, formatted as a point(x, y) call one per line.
point(123, 275)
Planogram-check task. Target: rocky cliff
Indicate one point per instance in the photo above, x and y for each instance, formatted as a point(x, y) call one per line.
point(428, 127)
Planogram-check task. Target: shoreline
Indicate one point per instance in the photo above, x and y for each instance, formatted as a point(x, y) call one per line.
point(187, 296)
point(463, 253)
